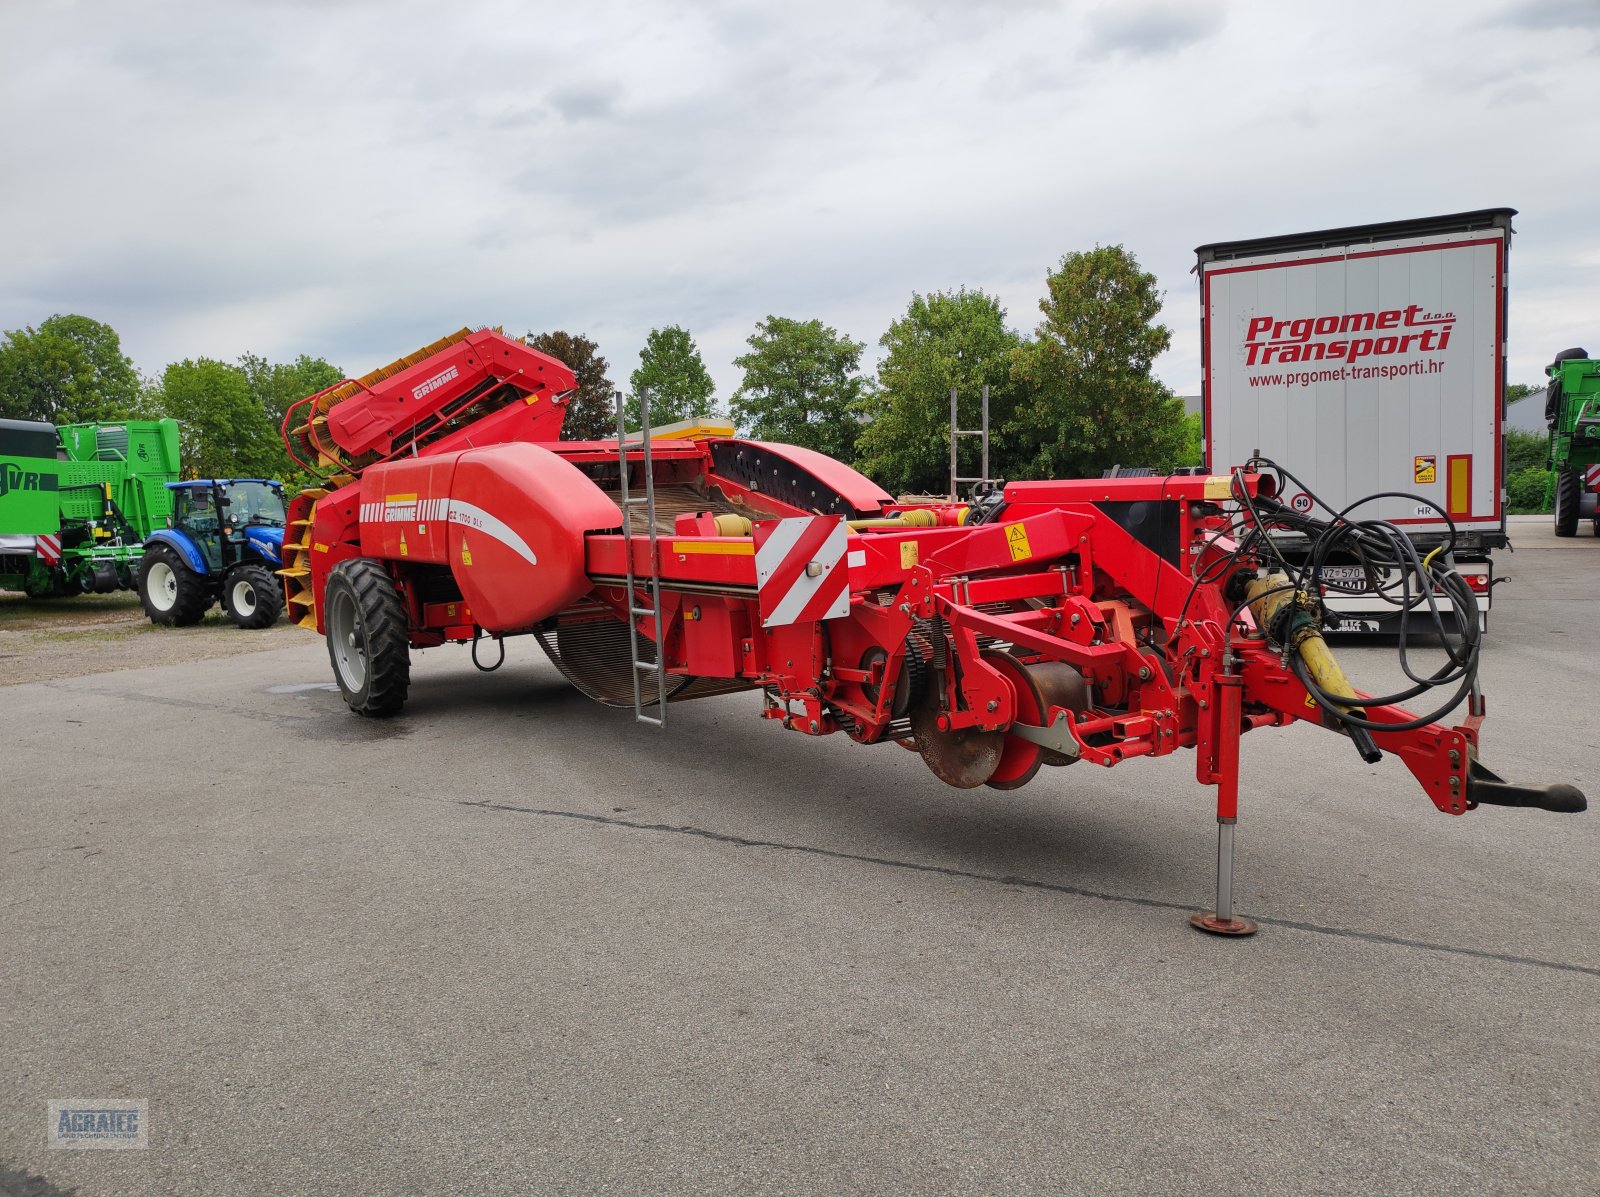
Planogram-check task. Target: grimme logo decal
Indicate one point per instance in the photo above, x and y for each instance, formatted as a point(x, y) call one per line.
point(12, 478)
point(434, 383)
point(1268, 340)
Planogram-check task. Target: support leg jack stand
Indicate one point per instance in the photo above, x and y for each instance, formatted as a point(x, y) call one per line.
point(1222, 920)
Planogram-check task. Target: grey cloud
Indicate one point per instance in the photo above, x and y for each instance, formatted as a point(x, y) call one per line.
point(353, 180)
point(1554, 14)
point(584, 102)
point(1152, 27)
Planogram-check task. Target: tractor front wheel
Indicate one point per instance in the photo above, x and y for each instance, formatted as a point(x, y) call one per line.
point(1569, 488)
point(252, 597)
point(368, 640)
point(170, 592)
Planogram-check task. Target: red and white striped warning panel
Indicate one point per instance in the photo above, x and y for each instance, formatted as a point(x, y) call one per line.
point(48, 548)
point(1591, 478)
point(800, 569)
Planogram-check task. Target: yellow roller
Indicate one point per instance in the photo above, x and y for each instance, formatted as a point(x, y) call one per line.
point(904, 519)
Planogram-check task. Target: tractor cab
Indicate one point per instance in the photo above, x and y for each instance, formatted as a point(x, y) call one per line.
point(224, 541)
point(230, 520)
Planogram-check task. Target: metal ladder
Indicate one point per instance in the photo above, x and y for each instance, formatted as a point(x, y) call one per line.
point(957, 432)
point(639, 667)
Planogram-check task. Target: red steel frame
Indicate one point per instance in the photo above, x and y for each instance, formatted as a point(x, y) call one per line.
point(1169, 661)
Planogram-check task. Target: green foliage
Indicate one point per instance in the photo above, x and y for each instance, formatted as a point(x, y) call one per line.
point(671, 370)
point(1517, 391)
point(947, 339)
point(1526, 450)
point(1193, 452)
point(1090, 400)
point(1528, 490)
point(592, 412)
point(801, 386)
point(230, 416)
point(69, 370)
point(276, 386)
point(223, 431)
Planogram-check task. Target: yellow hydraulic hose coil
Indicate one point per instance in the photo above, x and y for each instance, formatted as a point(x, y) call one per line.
point(1301, 631)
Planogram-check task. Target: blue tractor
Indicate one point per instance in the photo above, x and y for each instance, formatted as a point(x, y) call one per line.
point(223, 541)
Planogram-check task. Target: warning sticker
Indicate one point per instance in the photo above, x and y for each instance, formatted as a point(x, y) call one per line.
point(1425, 468)
point(908, 554)
point(466, 553)
point(1017, 542)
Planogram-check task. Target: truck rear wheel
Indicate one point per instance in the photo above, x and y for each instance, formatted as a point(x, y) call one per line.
point(252, 597)
point(170, 592)
point(1568, 489)
point(368, 638)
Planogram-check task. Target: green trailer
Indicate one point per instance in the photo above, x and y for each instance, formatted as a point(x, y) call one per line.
point(77, 502)
point(1572, 409)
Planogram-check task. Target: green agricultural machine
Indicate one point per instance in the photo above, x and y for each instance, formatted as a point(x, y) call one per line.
point(1572, 409)
point(77, 502)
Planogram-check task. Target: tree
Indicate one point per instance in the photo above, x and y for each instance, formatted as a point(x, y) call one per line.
point(800, 386)
point(69, 370)
point(947, 339)
point(224, 431)
point(671, 370)
point(1091, 400)
point(592, 413)
point(1518, 391)
point(277, 386)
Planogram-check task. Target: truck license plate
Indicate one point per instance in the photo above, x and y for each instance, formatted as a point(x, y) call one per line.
point(1344, 575)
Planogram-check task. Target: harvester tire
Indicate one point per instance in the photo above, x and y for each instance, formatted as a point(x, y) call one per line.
point(252, 597)
point(1569, 489)
point(170, 592)
point(368, 638)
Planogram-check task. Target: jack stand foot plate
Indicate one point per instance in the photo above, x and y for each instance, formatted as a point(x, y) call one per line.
point(1209, 923)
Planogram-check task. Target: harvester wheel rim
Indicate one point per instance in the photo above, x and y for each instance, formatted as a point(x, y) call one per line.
point(345, 639)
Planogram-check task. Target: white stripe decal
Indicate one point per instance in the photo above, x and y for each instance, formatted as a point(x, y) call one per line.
point(469, 516)
point(826, 595)
point(830, 555)
point(783, 538)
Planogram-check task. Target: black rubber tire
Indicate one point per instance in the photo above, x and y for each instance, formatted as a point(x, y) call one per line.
point(190, 597)
point(1569, 486)
point(260, 604)
point(375, 676)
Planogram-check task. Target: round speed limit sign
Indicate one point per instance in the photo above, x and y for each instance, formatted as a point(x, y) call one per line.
point(1301, 502)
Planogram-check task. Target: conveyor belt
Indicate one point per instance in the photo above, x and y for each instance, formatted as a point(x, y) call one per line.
point(673, 501)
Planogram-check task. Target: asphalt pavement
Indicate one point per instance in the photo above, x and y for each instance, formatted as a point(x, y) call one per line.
point(512, 943)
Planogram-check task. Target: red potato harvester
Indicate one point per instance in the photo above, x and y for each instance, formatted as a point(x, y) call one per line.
point(1045, 624)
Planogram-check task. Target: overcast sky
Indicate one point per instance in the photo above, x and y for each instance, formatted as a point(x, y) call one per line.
point(353, 178)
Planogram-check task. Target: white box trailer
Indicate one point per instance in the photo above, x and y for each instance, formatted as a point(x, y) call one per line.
point(1368, 360)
